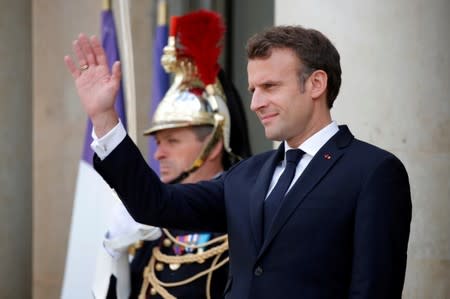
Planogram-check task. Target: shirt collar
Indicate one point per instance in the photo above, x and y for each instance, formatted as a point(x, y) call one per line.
point(313, 144)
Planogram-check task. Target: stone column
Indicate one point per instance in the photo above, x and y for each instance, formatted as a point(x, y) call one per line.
point(58, 132)
point(395, 93)
point(15, 149)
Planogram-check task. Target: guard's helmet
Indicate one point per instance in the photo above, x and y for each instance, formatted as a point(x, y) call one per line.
point(200, 94)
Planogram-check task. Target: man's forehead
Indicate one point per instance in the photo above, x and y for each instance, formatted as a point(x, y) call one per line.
point(261, 76)
point(262, 70)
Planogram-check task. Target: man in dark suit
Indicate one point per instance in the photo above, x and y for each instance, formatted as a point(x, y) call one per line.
point(340, 228)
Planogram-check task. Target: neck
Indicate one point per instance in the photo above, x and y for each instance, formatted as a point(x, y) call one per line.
point(317, 123)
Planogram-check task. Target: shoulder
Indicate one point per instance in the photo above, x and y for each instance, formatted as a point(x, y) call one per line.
point(252, 163)
point(371, 152)
point(359, 149)
point(364, 157)
point(372, 161)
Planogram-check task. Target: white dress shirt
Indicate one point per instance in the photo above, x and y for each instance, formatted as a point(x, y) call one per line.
point(310, 147)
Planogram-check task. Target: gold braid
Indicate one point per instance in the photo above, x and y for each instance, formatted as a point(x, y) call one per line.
point(159, 286)
point(208, 280)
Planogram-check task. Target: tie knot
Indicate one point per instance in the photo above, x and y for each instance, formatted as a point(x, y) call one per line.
point(294, 155)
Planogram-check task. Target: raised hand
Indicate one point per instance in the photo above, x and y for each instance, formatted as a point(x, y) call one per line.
point(96, 85)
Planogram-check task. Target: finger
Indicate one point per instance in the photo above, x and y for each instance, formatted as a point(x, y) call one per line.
point(72, 67)
point(79, 53)
point(87, 49)
point(116, 72)
point(99, 52)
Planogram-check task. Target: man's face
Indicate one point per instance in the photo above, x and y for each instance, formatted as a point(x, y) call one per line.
point(282, 103)
point(176, 151)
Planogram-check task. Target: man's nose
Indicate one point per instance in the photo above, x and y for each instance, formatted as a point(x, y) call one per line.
point(258, 100)
point(160, 152)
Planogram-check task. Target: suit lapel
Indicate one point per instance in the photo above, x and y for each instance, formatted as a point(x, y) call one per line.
point(258, 195)
point(322, 162)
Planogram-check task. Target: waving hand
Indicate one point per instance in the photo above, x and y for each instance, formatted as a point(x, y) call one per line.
point(96, 85)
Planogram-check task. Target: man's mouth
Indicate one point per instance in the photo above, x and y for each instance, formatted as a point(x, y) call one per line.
point(266, 118)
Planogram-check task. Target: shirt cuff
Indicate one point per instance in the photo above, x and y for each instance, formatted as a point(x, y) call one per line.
point(105, 145)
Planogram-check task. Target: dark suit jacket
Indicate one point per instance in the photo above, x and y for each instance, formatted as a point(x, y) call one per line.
point(341, 232)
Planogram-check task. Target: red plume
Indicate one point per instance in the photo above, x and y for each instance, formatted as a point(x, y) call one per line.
point(200, 34)
point(173, 25)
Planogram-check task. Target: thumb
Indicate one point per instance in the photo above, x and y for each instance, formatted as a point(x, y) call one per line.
point(116, 72)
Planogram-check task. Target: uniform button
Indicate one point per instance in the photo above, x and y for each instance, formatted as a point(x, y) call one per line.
point(258, 271)
point(159, 266)
point(167, 243)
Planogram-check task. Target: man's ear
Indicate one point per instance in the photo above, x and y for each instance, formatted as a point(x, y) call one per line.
point(216, 151)
point(318, 81)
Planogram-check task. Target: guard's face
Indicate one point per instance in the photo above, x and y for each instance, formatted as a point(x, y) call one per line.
point(281, 101)
point(176, 151)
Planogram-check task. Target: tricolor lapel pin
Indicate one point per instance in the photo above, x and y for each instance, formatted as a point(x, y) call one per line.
point(327, 156)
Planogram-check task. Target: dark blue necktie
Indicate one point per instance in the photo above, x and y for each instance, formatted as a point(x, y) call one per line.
point(275, 197)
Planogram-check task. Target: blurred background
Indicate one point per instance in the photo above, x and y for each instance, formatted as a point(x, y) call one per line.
point(395, 93)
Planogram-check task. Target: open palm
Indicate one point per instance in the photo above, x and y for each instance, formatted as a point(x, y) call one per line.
point(96, 85)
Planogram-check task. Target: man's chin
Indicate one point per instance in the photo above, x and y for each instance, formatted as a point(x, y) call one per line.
point(274, 136)
point(165, 178)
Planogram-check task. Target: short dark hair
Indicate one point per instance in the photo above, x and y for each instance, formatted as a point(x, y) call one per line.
point(314, 50)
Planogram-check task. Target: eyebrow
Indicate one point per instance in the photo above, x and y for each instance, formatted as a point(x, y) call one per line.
point(267, 82)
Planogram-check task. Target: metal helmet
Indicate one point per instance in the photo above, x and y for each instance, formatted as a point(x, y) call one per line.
point(196, 96)
point(188, 102)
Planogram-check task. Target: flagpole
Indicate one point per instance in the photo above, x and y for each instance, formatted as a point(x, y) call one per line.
point(162, 13)
point(128, 68)
point(106, 4)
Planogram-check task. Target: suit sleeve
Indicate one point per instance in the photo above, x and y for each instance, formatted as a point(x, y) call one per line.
point(191, 206)
point(381, 233)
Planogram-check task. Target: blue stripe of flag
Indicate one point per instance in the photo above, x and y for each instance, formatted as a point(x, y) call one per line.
point(160, 85)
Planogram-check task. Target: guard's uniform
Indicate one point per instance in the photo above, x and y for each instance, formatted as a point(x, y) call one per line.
point(179, 273)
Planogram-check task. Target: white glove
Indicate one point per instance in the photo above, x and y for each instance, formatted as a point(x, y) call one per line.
point(124, 231)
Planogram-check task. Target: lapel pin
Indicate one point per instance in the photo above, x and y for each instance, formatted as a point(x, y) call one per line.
point(327, 156)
